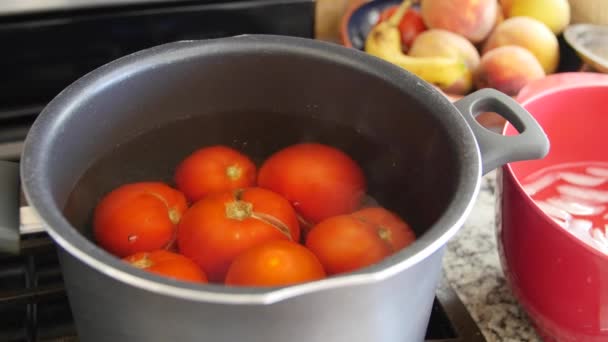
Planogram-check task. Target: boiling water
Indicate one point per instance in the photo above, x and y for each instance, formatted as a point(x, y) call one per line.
point(575, 195)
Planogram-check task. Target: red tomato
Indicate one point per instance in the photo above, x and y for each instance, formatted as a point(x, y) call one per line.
point(168, 264)
point(348, 242)
point(221, 226)
point(214, 169)
point(390, 227)
point(344, 243)
point(138, 217)
point(410, 26)
point(320, 181)
point(275, 263)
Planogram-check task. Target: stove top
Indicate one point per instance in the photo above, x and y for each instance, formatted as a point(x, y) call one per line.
point(45, 51)
point(49, 44)
point(20, 7)
point(34, 306)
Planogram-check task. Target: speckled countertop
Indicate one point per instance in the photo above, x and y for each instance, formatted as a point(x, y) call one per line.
point(472, 267)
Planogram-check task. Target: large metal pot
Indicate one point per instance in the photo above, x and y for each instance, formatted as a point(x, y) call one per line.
point(423, 158)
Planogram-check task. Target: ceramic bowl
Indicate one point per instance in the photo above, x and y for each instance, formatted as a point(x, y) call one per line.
point(591, 44)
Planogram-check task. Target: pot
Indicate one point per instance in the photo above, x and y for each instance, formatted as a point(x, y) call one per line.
point(136, 117)
point(557, 274)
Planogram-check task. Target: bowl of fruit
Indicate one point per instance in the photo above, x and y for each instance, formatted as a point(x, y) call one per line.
point(463, 45)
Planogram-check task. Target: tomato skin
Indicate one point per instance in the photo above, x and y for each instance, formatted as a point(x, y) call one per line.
point(138, 217)
point(410, 26)
point(168, 264)
point(344, 243)
point(349, 242)
point(220, 226)
point(214, 169)
point(399, 233)
point(319, 180)
point(274, 263)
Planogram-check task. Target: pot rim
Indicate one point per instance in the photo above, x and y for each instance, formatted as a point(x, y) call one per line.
point(36, 159)
point(508, 168)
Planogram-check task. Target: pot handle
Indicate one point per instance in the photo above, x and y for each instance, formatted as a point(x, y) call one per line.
point(496, 149)
point(9, 207)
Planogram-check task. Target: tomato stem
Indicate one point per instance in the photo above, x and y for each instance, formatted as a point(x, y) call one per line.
point(143, 263)
point(239, 210)
point(234, 172)
point(384, 234)
point(274, 222)
point(174, 215)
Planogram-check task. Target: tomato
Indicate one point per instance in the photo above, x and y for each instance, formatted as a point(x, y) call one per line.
point(410, 26)
point(168, 264)
point(221, 226)
point(348, 242)
point(138, 217)
point(275, 263)
point(343, 244)
point(214, 169)
point(320, 181)
point(396, 232)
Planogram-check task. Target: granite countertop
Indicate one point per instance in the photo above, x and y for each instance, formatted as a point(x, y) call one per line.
point(471, 265)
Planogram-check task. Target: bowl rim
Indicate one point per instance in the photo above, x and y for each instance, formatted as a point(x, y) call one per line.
point(508, 168)
point(571, 34)
point(345, 21)
point(566, 79)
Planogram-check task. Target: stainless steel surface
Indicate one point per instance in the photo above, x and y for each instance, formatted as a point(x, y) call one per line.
point(29, 221)
point(13, 7)
point(9, 201)
point(17, 7)
point(11, 150)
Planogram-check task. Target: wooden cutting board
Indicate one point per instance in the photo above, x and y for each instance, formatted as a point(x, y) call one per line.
point(328, 15)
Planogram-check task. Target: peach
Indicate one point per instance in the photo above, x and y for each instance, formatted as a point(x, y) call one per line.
point(500, 17)
point(508, 69)
point(442, 43)
point(472, 19)
point(492, 121)
point(530, 34)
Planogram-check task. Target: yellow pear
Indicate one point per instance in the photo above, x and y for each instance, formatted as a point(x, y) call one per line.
point(553, 13)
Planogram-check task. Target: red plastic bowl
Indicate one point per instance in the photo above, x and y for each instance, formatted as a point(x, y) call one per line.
point(560, 80)
point(559, 280)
